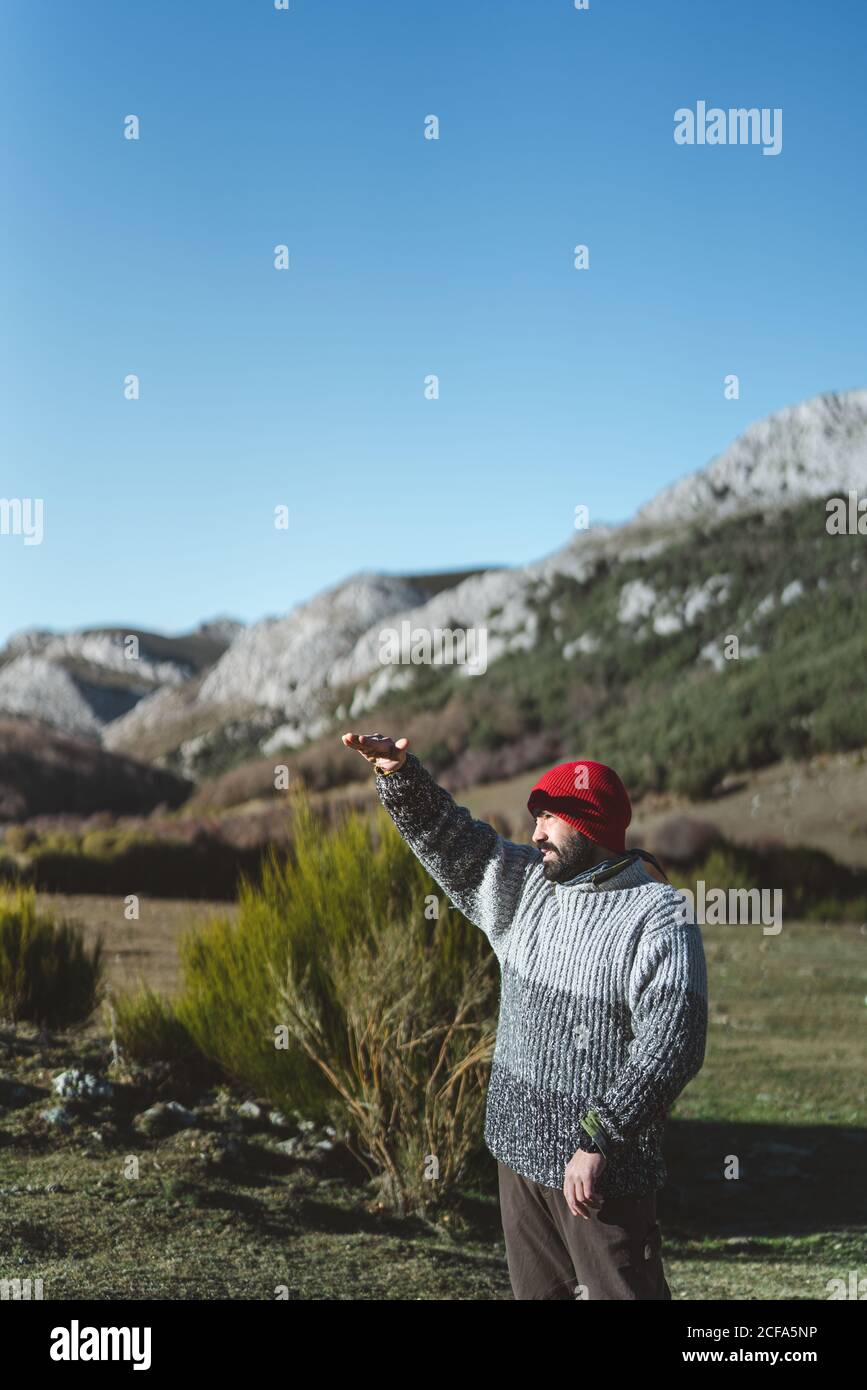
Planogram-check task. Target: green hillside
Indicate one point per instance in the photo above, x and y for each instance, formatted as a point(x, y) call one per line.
point(646, 700)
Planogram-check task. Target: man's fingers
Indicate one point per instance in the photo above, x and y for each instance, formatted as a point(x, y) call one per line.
point(573, 1202)
point(370, 743)
point(579, 1189)
point(581, 1197)
point(374, 745)
point(587, 1193)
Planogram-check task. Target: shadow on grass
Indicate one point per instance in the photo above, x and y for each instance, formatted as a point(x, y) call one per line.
point(793, 1180)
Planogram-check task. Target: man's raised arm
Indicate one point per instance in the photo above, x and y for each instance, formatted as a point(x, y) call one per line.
point(482, 873)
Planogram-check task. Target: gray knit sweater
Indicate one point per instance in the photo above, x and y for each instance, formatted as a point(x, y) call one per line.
point(603, 1001)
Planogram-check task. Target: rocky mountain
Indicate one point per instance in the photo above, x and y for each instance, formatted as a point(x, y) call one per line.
point(813, 449)
point(205, 702)
point(272, 680)
point(81, 682)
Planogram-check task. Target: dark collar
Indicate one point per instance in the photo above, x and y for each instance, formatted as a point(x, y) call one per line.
point(609, 868)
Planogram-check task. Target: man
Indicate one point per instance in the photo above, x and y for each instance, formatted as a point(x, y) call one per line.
point(603, 1017)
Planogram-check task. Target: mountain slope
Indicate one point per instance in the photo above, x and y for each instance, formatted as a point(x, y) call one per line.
point(81, 681)
point(45, 772)
point(743, 642)
point(275, 671)
point(656, 586)
point(813, 449)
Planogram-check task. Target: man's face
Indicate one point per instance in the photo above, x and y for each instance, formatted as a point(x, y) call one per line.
point(566, 852)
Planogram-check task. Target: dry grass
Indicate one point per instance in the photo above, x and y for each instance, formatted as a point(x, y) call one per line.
point(136, 952)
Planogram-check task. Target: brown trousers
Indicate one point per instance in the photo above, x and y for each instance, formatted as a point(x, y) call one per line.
point(552, 1254)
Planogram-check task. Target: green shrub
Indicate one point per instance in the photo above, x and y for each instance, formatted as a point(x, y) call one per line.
point(315, 906)
point(10, 869)
point(59, 842)
point(407, 1062)
point(47, 975)
point(835, 909)
point(106, 843)
point(725, 868)
point(124, 862)
point(17, 839)
point(148, 1029)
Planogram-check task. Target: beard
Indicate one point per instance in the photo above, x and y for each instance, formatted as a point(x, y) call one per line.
point(566, 860)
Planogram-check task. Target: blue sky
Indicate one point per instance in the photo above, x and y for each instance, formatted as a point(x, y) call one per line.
point(407, 257)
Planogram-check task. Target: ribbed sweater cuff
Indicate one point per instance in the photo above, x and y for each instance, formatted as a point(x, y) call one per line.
point(401, 775)
point(593, 1137)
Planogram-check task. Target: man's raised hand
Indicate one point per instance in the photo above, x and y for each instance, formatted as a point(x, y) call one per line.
point(385, 753)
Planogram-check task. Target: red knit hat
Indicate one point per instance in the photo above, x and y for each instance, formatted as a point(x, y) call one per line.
point(589, 796)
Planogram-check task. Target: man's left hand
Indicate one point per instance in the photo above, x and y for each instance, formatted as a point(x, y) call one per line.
point(580, 1184)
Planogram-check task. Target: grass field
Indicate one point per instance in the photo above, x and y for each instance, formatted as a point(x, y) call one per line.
point(782, 1092)
point(145, 950)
